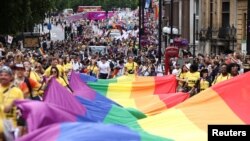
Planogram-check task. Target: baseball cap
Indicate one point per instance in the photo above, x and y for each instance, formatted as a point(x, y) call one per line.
point(6, 69)
point(19, 66)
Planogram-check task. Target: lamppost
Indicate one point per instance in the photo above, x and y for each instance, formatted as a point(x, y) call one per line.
point(171, 20)
point(160, 30)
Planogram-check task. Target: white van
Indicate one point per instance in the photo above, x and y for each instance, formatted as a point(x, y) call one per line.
point(97, 49)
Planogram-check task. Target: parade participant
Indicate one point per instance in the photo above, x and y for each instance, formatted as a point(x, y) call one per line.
point(31, 72)
point(119, 69)
point(224, 75)
point(192, 79)
point(54, 63)
point(54, 72)
point(103, 69)
point(234, 69)
point(204, 80)
point(28, 86)
point(92, 68)
point(131, 67)
point(181, 78)
point(8, 94)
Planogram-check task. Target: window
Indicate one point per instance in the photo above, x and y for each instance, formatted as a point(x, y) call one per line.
point(197, 7)
point(244, 26)
point(226, 14)
point(211, 13)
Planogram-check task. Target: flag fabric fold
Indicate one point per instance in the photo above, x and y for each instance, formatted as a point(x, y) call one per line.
point(39, 114)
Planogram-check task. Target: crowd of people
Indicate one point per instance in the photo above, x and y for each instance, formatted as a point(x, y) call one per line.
point(26, 73)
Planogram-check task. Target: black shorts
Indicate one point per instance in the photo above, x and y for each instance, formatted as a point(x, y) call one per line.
point(103, 75)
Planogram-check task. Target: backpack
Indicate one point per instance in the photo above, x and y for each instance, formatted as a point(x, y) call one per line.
point(111, 65)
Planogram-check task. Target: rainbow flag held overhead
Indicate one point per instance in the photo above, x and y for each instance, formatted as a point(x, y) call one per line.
point(84, 131)
point(150, 95)
point(225, 103)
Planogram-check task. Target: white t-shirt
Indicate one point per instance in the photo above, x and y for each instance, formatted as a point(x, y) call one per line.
point(104, 67)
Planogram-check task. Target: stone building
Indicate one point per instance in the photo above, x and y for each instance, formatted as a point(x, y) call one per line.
point(223, 26)
point(220, 25)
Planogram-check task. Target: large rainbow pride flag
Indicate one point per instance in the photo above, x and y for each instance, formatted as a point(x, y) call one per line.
point(225, 103)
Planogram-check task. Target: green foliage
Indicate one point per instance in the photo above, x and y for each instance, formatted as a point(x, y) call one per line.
point(21, 15)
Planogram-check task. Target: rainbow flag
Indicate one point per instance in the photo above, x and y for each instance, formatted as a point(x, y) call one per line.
point(225, 103)
point(84, 131)
point(150, 95)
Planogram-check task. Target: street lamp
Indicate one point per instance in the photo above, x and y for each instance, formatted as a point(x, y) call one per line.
point(168, 31)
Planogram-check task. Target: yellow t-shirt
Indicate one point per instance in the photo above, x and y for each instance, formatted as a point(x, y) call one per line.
point(59, 67)
point(35, 76)
point(182, 76)
point(7, 96)
point(221, 78)
point(67, 67)
point(204, 84)
point(61, 81)
point(131, 66)
point(93, 68)
point(192, 78)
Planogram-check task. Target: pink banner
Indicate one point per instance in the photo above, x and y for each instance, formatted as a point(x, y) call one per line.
point(99, 15)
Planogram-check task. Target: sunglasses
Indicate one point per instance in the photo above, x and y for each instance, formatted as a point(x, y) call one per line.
point(54, 71)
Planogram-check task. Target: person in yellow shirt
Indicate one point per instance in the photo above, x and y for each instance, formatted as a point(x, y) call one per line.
point(131, 67)
point(182, 76)
point(8, 94)
point(32, 73)
point(204, 80)
point(92, 68)
point(54, 63)
point(67, 65)
point(192, 78)
point(224, 75)
point(55, 73)
point(28, 86)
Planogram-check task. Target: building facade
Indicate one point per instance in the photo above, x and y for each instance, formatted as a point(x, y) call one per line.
point(220, 25)
point(223, 26)
point(183, 18)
